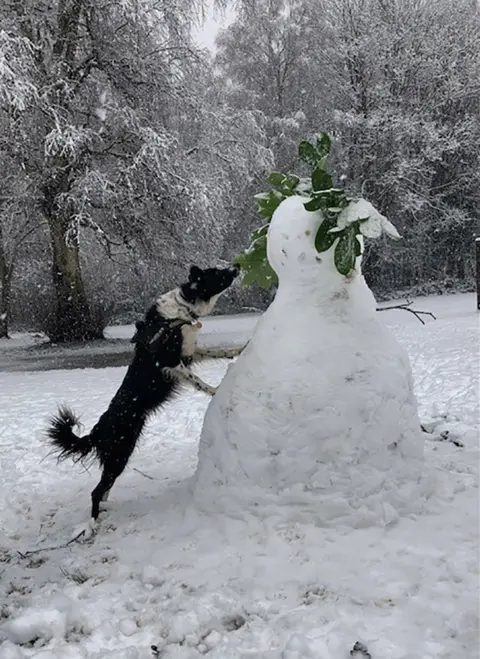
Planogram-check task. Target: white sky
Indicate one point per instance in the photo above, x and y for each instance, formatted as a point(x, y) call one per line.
point(205, 35)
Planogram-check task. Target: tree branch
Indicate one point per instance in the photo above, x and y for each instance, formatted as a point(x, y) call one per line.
point(28, 553)
point(405, 306)
point(27, 233)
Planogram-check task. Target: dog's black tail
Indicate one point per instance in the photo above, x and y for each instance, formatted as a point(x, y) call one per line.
point(64, 441)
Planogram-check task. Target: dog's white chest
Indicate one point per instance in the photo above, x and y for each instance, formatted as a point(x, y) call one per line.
point(189, 343)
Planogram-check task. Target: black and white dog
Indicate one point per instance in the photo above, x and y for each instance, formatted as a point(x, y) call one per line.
point(165, 345)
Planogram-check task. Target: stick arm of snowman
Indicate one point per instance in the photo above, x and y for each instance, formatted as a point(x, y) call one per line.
point(217, 353)
point(405, 306)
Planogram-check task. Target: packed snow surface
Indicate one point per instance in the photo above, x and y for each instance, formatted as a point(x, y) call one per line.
point(317, 420)
point(237, 589)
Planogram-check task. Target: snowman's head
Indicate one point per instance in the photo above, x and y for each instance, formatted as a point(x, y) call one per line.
point(291, 246)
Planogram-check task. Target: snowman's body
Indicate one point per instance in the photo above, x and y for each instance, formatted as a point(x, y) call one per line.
point(318, 414)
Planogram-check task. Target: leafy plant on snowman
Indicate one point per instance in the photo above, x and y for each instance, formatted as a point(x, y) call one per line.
point(346, 219)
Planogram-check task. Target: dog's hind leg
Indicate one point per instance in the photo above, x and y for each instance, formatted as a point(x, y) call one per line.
point(100, 493)
point(104, 500)
point(111, 471)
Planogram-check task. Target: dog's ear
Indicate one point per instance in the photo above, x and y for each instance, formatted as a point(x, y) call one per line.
point(195, 273)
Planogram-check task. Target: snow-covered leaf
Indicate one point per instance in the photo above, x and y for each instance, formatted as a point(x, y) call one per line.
point(371, 227)
point(344, 255)
point(324, 238)
point(307, 153)
point(321, 180)
point(276, 178)
point(372, 223)
point(390, 230)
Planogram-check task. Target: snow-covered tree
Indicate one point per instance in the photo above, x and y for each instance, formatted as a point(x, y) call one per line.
point(113, 142)
point(125, 141)
point(407, 118)
point(17, 221)
point(18, 226)
point(396, 83)
point(265, 58)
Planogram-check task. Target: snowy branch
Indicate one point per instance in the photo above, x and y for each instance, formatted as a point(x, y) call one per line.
point(25, 554)
point(405, 306)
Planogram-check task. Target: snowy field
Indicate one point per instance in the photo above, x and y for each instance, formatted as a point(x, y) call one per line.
point(157, 573)
point(32, 351)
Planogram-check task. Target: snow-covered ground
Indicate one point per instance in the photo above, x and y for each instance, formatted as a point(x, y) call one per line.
point(32, 351)
point(159, 574)
point(215, 328)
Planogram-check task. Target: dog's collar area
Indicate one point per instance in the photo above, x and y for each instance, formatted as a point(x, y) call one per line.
point(174, 312)
point(172, 323)
point(182, 302)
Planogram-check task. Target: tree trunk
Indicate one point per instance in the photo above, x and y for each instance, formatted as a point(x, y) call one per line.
point(73, 320)
point(5, 306)
point(5, 295)
point(477, 266)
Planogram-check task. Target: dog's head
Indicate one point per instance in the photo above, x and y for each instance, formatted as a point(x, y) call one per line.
point(204, 287)
point(200, 294)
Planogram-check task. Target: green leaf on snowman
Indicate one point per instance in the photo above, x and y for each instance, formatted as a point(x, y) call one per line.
point(344, 255)
point(258, 233)
point(268, 202)
point(324, 238)
point(308, 153)
point(358, 247)
point(321, 180)
point(324, 145)
point(291, 181)
point(346, 219)
point(255, 266)
point(276, 178)
point(314, 204)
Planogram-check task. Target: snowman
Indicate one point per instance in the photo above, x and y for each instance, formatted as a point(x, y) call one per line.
point(317, 420)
